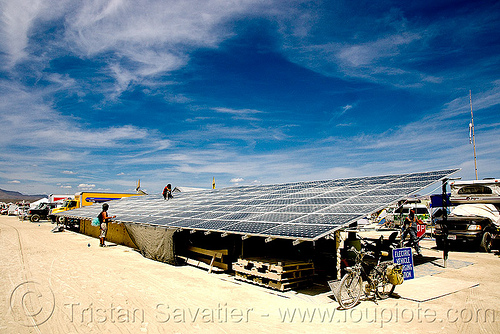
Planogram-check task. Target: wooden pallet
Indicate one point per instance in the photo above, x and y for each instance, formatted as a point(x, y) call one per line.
point(214, 258)
point(278, 274)
point(278, 266)
point(277, 285)
point(283, 276)
point(200, 264)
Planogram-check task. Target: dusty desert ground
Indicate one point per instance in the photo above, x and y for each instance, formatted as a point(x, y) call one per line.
point(64, 283)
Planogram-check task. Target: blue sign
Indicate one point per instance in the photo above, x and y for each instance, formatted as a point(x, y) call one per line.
point(404, 257)
point(99, 199)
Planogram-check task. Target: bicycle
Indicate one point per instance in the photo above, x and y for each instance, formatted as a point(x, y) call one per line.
point(377, 282)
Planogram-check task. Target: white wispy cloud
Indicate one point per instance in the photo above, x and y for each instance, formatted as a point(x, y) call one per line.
point(41, 126)
point(389, 47)
point(241, 114)
point(249, 134)
point(86, 186)
point(367, 54)
point(237, 180)
point(480, 100)
point(346, 108)
point(17, 18)
point(155, 37)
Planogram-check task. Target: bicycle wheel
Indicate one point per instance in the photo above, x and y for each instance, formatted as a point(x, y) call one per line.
point(384, 287)
point(350, 290)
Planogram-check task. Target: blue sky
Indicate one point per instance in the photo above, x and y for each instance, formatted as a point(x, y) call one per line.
point(95, 95)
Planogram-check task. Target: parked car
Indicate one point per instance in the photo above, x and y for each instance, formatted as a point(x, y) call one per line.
point(22, 209)
point(4, 208)
point(12, 211)
point(40, 212)
point(477, 225)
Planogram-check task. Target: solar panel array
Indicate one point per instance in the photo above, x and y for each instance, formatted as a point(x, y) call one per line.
point(300, 210)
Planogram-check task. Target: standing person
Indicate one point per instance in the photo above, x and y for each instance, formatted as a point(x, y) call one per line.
point(410, 227)
point(104, 219)
point(167, 192)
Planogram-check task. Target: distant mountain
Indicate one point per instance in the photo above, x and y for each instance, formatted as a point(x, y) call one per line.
point(14, 196)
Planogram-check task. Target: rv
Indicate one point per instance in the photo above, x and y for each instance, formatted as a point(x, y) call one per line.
point(476, 218)
point(477, 191)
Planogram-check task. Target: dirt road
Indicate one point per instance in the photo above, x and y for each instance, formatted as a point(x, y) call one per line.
point(64, 283)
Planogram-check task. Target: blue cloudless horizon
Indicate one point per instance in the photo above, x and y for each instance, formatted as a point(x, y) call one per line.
point(96, 95)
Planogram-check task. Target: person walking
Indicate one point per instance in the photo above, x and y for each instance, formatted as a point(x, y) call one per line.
point(104, 219)
point(410, 228)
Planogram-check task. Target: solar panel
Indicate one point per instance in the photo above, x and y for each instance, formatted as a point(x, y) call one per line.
point(299, 210)
point(256, 228)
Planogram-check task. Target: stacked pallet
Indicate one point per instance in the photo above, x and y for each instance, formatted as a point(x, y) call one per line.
point(277, 274)
point(212, 258)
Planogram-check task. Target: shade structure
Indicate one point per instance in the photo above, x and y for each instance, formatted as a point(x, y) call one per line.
point(300, 210)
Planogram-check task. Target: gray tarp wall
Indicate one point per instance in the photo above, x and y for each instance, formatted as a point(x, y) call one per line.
point(154, 242)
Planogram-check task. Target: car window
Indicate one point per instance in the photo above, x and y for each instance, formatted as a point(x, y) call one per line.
point(475, 189)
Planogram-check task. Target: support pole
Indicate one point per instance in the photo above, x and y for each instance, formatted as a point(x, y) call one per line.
point(337, 248)
point(444, 205)
point(445, 221)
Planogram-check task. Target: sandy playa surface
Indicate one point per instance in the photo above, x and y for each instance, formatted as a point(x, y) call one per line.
point(70, 285)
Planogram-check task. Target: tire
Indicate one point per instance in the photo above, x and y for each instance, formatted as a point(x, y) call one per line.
point(486, 242)
point(35, 218)
point(61, 220)
point(384, 289)
point(350, 290)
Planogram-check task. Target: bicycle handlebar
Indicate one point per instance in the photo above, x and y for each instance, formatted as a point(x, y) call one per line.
point(361, 252)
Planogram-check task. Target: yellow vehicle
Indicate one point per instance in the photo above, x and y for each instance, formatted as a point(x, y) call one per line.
point(86, 198)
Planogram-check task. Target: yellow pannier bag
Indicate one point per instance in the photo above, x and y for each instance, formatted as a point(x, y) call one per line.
point(395, 274)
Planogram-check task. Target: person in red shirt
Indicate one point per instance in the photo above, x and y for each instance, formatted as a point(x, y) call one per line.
point(167, 192)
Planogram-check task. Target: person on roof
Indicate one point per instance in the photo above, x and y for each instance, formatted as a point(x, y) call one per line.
point(167, 192)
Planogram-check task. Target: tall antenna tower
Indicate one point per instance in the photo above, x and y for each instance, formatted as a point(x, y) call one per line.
point(472, 129)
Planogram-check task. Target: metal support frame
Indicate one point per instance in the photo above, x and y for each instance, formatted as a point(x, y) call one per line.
point(444, 203)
